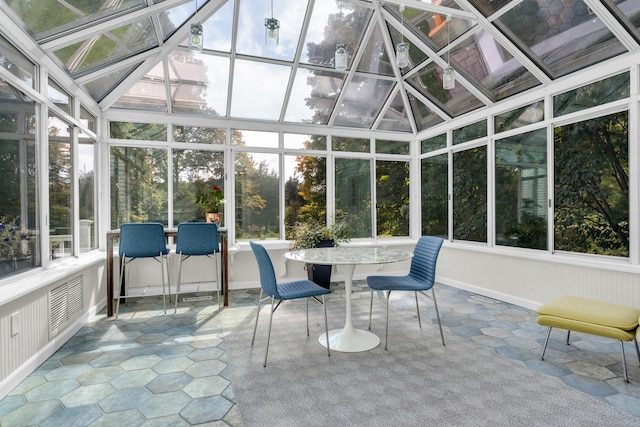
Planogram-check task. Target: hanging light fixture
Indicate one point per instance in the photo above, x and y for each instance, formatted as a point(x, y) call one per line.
point(196, 39)
point(402, 50)
point(449, 76)
point(272, 30)
point(342, 58)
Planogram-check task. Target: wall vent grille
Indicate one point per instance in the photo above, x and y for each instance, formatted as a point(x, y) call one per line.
point(65, 304)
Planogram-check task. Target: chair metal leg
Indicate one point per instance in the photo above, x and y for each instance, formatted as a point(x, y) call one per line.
point(568, 336)
point(215, 272)
point(418, 309)
point(326, 325)
point(123, 261)
point(546, 341)
point(255, 327)
point(386, 331)
point(435, 303)
point(370, 309)
point(266, 351)
point(624, 362)
point(635, 341)
point(175, 310)
point(164, 262)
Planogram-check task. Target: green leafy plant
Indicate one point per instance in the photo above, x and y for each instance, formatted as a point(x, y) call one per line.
point(308, 234)
point(210, 200)
point(11, 237)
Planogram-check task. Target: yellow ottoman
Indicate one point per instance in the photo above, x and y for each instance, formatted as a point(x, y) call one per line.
point(591, 317)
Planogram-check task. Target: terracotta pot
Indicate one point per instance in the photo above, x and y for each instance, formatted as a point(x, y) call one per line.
point(214, 217)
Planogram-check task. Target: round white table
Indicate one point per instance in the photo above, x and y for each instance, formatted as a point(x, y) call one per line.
point(348, 339)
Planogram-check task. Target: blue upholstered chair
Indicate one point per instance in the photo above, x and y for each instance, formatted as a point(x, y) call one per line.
point(197, 239)
point(282, 292)
point(143, 240)
point(421, 278)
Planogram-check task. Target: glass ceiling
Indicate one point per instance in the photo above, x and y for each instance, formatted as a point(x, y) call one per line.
point(132, 54)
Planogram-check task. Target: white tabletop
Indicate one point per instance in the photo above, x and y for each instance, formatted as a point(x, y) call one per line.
point(345, 255)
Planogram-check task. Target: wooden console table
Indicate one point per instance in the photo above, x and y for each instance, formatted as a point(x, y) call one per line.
point(169, 232)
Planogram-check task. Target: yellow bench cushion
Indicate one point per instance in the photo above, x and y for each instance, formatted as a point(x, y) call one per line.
point(590, 316)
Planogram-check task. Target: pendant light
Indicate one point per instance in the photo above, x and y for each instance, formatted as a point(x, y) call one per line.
point(342, 58)
point(272, 30)
point(196, 39)
point(449, 76)
point(402, 50)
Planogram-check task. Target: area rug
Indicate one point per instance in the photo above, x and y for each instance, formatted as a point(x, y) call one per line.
point(417, 382)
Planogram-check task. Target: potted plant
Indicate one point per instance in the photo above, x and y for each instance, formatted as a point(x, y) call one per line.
point(315, 234)
point(209, 204)
point(13, 252)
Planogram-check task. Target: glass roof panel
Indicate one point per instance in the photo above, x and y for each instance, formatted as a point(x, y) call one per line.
point(100, 87)
point(258, 89)
point(375, 59)
point(488, 7)
point(198, 83)
point(432, 27)
point(330, 25)
point(455, 102)
point(313, 96)
point(362, 101)
point(564, 36)
point(416, 55)
point(251, 30)
point(396, 116)
point(12, 60)
point(46, 18)
point(99, 50)
point(171, 19)
point(219, 28)
point(422, 114)
point(628, 12)
point(148, 94)
point(491, 66)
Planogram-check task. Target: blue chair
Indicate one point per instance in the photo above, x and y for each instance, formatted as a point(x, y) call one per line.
point(421, 278)
point(143, 240)
point(282, 292)
point(197, 239)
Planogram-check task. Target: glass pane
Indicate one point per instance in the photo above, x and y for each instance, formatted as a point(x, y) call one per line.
point(375, 59)
point(52, 17)
point(199, 83)
point(416, 55)
point(305, 191)
point(521, 190)
point(627, 13)
point(19, 228)
point(313, 96)
point(251, 138)
point(563, 36)
point(58, 96)
point(100, 87)
point(172, 19)
point(392, 147)
point(362, 101)
point(107, 48)
point(522, 116)
point(330, 25)
point(147, 94)
point(195, 172)
point(305, 142)
point(257, 212)
point(258, 98)
point(488, 7)
point(470, 132)
point(591, 186)
point(435, 196)
point(455, 102)
point(598, 93)
point(202, 135)
point(140, 131)
point(470, 195)
point(357, 145)
point(87, 119)
point(60, 202)
point(395, 118)
point(12, 60)
point(87, 196)
point(433, 143)
point(423, 115)
point(392, 198)
point(353, 195)
point(251, 36)
point(218, 29)
point(138, 185)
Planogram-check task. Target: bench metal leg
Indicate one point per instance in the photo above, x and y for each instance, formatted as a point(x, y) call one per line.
point(545, 344)
point(624, 362)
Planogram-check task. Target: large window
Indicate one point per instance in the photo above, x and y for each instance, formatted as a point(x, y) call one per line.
point(60, 184)
point(353, 194)
point(470, 194)
point(435, 196)
point(521, 190)
point(87, 195)
point(392, 198)
point(591, 186)
point(305, 190)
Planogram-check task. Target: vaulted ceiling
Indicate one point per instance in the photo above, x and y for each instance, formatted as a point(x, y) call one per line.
point(132, 54)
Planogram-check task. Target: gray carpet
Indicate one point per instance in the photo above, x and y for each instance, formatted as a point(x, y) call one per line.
point(417, 382)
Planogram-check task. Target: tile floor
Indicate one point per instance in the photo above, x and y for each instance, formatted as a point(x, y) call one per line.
point(148, 369)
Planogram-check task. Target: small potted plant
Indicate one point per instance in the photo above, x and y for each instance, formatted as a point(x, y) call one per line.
point(210, 202)
point(315, 234)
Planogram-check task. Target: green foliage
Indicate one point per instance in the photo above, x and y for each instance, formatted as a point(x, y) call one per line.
point(11, 237)
point(210, 200)
point(306, 235)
